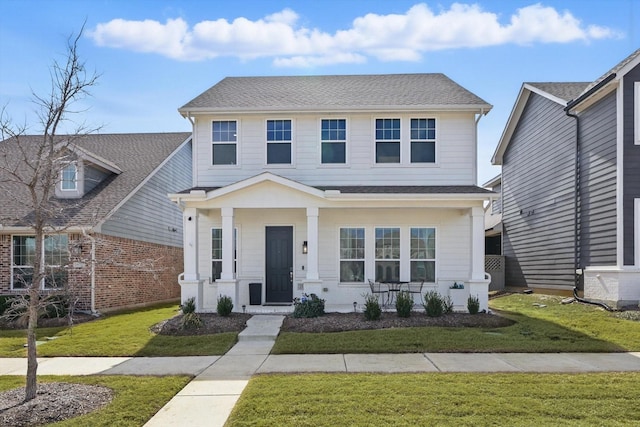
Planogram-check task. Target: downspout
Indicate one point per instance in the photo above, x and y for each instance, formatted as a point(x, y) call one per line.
point(93, 271)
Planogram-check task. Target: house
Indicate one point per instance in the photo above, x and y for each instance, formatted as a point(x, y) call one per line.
point(493, 219)
point(116, 240)
point(570, 156)
point(318, 184)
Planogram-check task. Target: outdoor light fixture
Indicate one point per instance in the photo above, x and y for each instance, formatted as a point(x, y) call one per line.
point(305, 248)
point(355, 305)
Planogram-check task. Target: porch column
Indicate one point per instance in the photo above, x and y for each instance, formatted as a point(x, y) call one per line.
point(190, 283)
point(312, 244)
point(227, 244)
point(478, 284)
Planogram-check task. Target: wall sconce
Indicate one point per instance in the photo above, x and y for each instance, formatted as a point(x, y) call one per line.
point(305, 248)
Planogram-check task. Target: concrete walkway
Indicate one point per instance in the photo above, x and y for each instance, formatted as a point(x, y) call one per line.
point(219, 380)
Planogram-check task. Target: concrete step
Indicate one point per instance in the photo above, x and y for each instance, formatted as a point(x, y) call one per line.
point(262, 328)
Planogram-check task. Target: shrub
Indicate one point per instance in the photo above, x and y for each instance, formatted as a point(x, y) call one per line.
point(473, 304)
point(404, 304)
point(189, 306)
point(56, 305)
point(5, 303)
point(225, 305)
point(434, 304)
point(308, 306)
point(372, 310)
point(190, 320)
point(447, 304)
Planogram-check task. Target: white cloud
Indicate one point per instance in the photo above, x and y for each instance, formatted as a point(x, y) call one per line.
point(393, 37)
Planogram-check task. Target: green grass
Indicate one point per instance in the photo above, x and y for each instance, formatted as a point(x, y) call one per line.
point(554, 328)
point(136, 399)
point(438, 399)
point(119, 334)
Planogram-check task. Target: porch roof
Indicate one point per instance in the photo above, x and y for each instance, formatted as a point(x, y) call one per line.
point(383, 189)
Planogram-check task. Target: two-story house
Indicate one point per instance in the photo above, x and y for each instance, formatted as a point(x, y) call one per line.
point(570, 156)
point(113, 239)
point(318, 184)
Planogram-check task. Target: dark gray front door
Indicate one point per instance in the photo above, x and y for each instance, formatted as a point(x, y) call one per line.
point(279, 264)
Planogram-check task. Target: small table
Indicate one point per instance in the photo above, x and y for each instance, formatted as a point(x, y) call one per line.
point(393, 287)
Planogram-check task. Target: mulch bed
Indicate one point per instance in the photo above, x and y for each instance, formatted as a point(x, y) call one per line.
point(211, 324)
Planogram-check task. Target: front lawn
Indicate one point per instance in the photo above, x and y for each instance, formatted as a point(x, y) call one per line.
point(438, 399)
point(136, 399)
point(119, 334)
point(543, 324)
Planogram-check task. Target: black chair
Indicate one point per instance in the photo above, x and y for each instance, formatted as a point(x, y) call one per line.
point(376, 290)
point(416, 288)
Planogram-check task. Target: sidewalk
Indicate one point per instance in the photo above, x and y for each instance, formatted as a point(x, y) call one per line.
point(219, 380)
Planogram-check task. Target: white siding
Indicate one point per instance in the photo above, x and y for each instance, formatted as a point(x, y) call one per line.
point(455, 152)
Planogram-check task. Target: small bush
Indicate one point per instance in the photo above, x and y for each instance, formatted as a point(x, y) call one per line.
point(225, 305)
point(447, 304)
point(372, 310)
point(434, 304)
point(189, 306)
point(404, 304)
point(191, 320)
point(56, 305)
point(5, 303)
point(473, 304)
point(308, 306)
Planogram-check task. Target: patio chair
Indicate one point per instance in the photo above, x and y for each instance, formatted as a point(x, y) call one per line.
point(376, 290)
point(416, 288)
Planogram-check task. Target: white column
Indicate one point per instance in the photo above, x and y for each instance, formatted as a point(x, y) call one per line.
point(227, 244)
point(190, 217)
point(312, 244)
point(477, 243)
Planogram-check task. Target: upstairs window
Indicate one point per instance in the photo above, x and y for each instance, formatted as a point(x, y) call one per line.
point(423, 140)
point(387, 140)
point(334, 140)
point(278, 142)
point(224, 137)
point(69, 177)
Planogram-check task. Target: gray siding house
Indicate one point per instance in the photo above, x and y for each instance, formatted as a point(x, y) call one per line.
point(570, 157)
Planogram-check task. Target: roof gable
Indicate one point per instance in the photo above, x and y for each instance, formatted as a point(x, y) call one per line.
point(335, 93)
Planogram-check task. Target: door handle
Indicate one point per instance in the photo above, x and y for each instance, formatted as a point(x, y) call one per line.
point(291, 276)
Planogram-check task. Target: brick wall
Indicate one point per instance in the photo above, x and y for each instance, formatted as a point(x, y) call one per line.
point(128, 272)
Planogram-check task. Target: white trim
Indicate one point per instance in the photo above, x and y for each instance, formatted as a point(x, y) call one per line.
point(636, 115)
point(636, 226)
point(620, 175)
point(322, 109)
point(75, 180)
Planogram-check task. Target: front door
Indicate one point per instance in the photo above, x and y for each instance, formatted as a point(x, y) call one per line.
point(279, 264)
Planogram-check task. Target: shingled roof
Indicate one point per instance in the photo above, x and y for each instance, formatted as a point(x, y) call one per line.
point(326, 93)
point(565, 91)
point(137, 155)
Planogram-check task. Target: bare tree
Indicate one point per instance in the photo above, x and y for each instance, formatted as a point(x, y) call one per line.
point(36, 170)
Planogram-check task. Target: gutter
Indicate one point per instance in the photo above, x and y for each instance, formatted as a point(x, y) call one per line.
point(588, 93)
point(93, 270)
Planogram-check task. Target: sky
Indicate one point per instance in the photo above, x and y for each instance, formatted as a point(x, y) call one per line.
point(153, 56)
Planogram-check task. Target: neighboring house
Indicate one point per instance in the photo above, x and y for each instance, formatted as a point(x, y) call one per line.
point(117, 240)
point(570, 156)
point(318, 184)
point(493, 219)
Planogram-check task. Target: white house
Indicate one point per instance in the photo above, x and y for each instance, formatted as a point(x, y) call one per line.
point(318, 184)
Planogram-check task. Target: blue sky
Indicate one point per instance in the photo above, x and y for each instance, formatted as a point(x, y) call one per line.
point(154, 56)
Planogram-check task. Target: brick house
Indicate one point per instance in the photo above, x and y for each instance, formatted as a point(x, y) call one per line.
point(117, 241)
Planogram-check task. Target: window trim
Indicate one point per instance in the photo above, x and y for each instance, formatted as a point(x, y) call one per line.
point(345, 142)
point(400, 249)
point(435, 249)
point(376, 140)
point(75, 177)
point(434, 141)
point(364, 259)
point(291, 143)
point(42, 285)
point(212, 143)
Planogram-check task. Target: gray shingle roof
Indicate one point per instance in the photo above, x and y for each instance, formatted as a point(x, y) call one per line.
point(136, 155)
point(566, 91)
point(351, 92)
point(615, 69)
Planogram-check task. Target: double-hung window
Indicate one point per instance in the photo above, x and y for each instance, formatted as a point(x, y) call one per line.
point(333, 140)
point(423, 254)
point(352, 255)
point(56, 259)
point(423, 140)
point(387, 140)
point(279, 142)
point(387, 254)
point(224, 137)
point(216, 252)
point(69, 177)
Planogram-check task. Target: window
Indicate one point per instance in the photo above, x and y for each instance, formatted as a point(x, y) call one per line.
point(56, 258)
point(278, 142)
point(387, 140)
point(423, 254)
point(387, 254)
point(352, 255)
point(216, 252)
point(224, 137)
point(334, 138)
point(423, 140)
point(69, 177)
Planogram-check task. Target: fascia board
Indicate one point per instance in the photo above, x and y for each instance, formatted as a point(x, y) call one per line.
point(512, 122)
point(472, 108)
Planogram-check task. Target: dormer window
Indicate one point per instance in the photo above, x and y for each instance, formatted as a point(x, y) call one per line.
point(69, 180)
